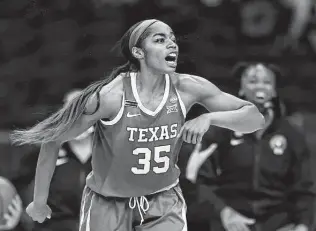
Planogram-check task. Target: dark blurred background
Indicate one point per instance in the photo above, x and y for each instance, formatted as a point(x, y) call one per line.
point(48, 47)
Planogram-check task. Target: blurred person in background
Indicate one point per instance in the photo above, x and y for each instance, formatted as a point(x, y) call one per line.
point(197, 212)
point(11, 207)
point(72, 166)
point(12, 175)
point(260, 181)
point(298, 25)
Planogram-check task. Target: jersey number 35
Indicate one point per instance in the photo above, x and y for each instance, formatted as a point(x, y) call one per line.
point(146, 161)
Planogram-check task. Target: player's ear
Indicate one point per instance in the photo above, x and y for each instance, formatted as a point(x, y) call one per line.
point(138, 53)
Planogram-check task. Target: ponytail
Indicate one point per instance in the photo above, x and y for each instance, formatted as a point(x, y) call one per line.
point(50, 129)
point(56, 125)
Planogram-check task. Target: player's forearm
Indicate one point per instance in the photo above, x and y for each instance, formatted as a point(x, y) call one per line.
point(44, 171)
point(247, 119)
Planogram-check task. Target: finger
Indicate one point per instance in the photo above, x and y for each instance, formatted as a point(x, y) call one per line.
point(185, 135)
point(189, 136)
point(211, 149)
point(188, 132)
point(15, 207)
point(17, 202)
point(197, 147)
point(11, 222)
point(200, 137)
point(247, 220)
point(181, 131)
point(7, 217)
point(204, 155)
point(194, 138)
point(49, 212)
point(11, 209)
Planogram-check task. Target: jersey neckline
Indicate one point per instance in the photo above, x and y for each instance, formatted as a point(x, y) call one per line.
point(137, 98)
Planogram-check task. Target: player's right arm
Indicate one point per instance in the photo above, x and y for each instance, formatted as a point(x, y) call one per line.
point(109, 104)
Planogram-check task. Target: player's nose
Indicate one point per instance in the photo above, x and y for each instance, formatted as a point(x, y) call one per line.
point(172, 44)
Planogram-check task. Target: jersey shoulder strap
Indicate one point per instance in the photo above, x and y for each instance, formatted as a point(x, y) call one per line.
point(130, 100)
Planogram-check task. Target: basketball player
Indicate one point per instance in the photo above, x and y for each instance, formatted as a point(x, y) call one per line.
point(139, 127)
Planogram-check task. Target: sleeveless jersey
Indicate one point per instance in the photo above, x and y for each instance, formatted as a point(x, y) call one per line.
point(135, 154)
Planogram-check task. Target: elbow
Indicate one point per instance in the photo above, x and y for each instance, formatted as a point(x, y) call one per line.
point(256, 120)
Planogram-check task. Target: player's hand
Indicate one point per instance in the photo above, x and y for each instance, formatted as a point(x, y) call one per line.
point(38, 212)
point(12, 217)
point(193, 130)
point(234, 221)
point(197, 158)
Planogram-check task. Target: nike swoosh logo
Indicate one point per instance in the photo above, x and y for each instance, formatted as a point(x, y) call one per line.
point(129, 115)
point(236, 142)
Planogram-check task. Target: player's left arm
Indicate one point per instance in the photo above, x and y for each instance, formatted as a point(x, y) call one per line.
point(226, 110)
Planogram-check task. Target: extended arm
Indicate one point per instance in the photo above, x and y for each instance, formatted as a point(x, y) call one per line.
point(225, 110)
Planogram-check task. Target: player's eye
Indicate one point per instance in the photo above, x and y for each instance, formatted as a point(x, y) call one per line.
point(160, 40)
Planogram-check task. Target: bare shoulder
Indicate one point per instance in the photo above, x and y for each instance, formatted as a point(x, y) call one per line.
point(110, 98)
point(113, 89)
point(192, 84)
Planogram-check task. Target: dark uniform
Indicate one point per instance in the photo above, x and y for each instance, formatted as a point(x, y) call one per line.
point(268, 179)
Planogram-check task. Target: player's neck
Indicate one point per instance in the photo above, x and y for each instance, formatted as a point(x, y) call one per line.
point(147, 81)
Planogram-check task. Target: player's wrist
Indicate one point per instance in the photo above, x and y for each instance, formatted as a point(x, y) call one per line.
point(39, 202)
point(210, 118)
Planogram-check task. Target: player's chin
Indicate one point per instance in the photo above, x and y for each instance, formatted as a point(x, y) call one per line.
point(169, 68)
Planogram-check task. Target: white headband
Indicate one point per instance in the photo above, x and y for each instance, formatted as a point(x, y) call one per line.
point(138, 31)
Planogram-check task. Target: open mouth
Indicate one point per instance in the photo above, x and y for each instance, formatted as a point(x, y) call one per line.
point(260, 95)
point(171, 59)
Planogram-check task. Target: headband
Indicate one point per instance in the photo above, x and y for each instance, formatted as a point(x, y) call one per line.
point(138, 31)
